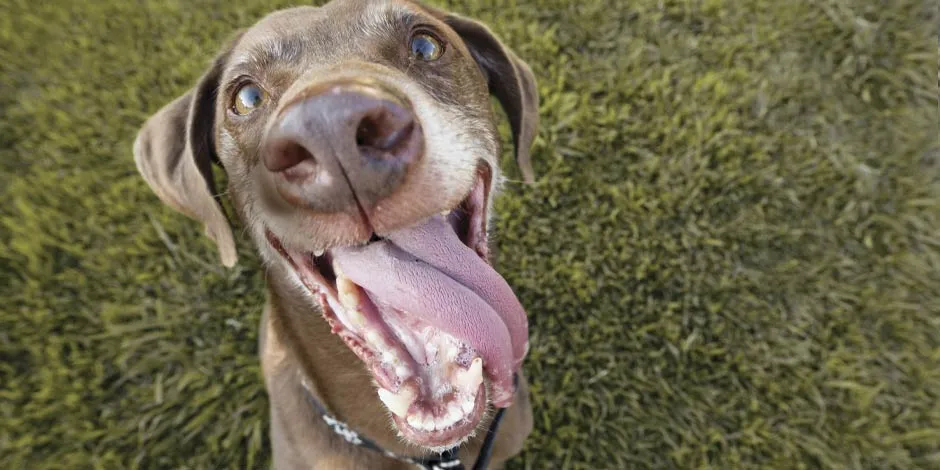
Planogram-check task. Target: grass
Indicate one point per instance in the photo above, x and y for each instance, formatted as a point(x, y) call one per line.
point(731, 258)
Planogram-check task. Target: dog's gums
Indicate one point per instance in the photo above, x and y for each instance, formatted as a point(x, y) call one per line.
point(431, 380)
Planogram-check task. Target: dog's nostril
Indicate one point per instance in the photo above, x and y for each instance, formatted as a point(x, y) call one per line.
point(288, 155)
point(400, 137)
point(365, 133)
point(386, 131)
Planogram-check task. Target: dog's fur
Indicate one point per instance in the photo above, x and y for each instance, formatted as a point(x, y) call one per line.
point(289, 52)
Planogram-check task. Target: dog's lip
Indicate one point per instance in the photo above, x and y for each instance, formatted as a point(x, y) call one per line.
point(367, 232)
point(483, 182)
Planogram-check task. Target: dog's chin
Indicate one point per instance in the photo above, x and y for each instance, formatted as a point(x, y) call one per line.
point(432, 383)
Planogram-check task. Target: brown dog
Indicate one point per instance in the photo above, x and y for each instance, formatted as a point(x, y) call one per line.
point(362, 156)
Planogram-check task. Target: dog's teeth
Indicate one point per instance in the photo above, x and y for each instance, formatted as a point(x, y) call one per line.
point(350, 300)
point(454, 413)
point(318, 253)
point(451, 352)
point(402, 371)
point(470, 379)
point(348, 292)
point(428, 423)
point(414, 421)
point(398, 403)
point(467, 405)
point(355, 317)
point(445, 213)
point(422, 421)
point(375, 339)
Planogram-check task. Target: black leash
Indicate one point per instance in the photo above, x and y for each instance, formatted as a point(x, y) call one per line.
point(448, 460)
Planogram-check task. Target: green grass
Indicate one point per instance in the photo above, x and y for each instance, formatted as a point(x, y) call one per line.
point(731, 258)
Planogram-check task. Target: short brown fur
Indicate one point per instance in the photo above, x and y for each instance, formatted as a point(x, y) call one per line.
point(290, 52)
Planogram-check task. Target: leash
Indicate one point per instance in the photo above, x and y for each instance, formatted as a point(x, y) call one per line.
point(448, 460)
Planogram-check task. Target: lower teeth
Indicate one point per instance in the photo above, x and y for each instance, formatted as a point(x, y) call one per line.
point(469, 379)
point(397, 403)
point(400, 403)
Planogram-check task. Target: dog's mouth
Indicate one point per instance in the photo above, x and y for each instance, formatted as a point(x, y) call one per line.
point(435, 325)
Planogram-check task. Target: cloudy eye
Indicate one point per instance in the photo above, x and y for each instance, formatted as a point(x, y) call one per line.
point(426, 47)
point(248, 98)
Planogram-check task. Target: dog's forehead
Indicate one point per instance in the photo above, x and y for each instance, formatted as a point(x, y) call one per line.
point(340, 28)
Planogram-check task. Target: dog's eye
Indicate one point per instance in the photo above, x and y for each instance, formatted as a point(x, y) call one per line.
point(248, 98)
point(426, 47)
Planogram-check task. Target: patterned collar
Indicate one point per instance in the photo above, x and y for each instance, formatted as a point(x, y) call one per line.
point(448, 460)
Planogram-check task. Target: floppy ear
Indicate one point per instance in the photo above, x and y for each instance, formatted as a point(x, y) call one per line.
point(510, 80)
point(174, 152)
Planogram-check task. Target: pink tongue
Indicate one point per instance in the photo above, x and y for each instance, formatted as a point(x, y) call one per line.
point(426, 271)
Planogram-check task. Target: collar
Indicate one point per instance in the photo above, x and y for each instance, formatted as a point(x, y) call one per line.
point(448, 460)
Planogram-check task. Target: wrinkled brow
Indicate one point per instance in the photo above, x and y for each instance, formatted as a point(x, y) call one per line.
point(389, 17)
point(264, 55)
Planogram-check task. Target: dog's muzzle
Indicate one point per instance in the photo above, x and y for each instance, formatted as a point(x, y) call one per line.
point(343, 143)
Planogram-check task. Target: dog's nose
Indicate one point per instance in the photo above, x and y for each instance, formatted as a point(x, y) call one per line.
point(341, 144)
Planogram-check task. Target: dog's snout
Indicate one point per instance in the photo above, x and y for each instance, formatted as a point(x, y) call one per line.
point(342, 144)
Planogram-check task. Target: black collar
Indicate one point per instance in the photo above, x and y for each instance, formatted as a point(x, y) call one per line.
point(448, 460)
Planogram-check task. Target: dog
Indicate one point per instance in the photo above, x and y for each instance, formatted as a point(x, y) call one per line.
point(361, 154)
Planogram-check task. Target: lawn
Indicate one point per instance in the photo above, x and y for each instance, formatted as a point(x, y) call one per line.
point(730, 259)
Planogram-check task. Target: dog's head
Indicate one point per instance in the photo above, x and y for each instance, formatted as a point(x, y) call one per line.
point(362, 155)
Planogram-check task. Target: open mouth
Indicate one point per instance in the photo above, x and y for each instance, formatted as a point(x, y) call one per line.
point(440, 331)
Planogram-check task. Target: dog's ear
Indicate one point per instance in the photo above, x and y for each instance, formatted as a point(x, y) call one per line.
point(175, 150)
point(509, 79)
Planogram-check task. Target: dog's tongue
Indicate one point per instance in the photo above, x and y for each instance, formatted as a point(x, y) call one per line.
point(426, 271)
